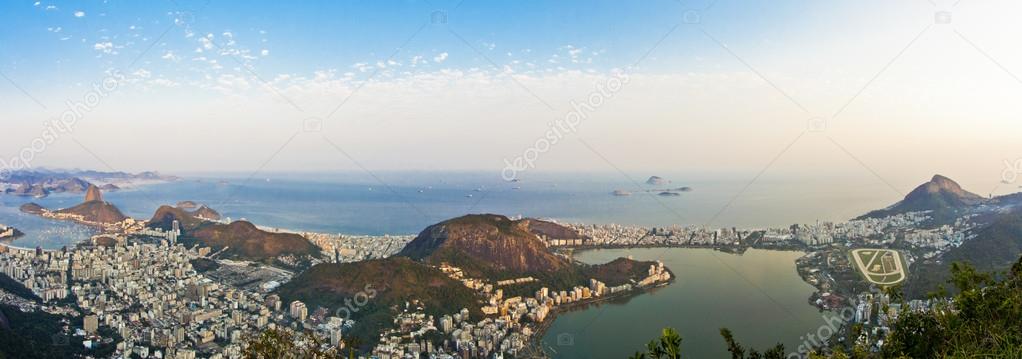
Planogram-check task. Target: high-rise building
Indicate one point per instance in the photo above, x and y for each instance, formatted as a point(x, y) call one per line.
point(175, 230)
point(446, 324)
point(299, 311)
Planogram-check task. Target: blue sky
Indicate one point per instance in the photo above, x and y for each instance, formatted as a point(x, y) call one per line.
point(726, 85)
point(50, 42)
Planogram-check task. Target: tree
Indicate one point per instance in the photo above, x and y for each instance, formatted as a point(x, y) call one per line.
point(738, 352)
point(352, 343)
point(668, 346)
point(282, 344)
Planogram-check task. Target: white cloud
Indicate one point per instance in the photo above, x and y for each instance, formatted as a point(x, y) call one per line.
point(51, 7)
point(79, 13)
point(169, 55)
point(163, 82)
point(440, 58)
point(265, 52)
point(105, 47)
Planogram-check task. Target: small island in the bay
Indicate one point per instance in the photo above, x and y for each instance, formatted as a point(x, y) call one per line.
point(657, 181)
point(621, 192)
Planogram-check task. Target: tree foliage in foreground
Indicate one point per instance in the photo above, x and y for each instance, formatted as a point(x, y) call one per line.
point(283, 344)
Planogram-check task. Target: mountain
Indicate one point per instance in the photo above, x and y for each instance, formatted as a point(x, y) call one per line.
point(93, 194)
point(996, 247)
point(94, 209)
point(96, 212)
point(941, 195)
point(41, 182)
point(205, 212)
point(32, 208)
point(165, 216)
point(242, 239)
point(495, 247)
point(385, 284)
point(485, 244)
point(551, 230)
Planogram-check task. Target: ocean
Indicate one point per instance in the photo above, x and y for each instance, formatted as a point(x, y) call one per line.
point(407, 202)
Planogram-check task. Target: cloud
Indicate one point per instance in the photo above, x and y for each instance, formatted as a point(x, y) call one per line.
point(79, 13)
point(163, 82)
point(105, 47)
point(440, 58)
point(169, 55)
point(265, 52)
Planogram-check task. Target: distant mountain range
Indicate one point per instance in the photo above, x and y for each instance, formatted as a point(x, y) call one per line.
point(42, 182)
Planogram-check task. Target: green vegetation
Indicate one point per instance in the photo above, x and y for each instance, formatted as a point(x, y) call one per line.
point(985, 318)
point(668, 346)
point(280, 344)
point(995, 248)
point(497, 248)
point(14, 287)
point(42, 335)
point(371, 292)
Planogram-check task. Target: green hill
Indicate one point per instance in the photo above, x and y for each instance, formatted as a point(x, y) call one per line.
point(387, 283)
point(996, 246)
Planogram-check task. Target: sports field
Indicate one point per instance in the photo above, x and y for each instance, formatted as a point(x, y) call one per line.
point(880, 266)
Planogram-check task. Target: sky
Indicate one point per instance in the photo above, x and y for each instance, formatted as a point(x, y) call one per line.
point(889, 91)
